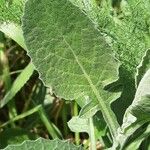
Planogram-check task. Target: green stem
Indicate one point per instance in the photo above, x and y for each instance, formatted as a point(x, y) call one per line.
point(77, 135)
point(26, 105)
point(92, 135)
point(64, 118)
point(53, 130)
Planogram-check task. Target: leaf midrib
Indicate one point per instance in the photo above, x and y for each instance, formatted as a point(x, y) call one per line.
point(107, 113)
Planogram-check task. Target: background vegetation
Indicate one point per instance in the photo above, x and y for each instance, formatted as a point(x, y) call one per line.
point(29, 110)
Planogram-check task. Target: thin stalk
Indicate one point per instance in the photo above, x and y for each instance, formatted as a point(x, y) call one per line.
point(64, 118)
point(92, 135)
point(77, 134)
point(53, 130)
point(28, 100)
point(15, 72)
point(61, 103)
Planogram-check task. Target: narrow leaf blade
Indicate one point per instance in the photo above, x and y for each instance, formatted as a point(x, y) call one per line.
point(18, 84)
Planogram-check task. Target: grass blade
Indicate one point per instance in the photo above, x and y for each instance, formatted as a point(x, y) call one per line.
point(18, 84)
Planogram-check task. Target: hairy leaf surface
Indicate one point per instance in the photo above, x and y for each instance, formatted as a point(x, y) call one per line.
point(126, 27)
point(14, 32)
point(44, 144)
point(70, 53)
point(77, 124)
point(138, 112)
point(11, 11)
point(128, 30)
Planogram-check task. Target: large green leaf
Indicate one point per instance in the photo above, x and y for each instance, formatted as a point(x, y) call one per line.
point(70, 53)
point(127, 29)
point(87, 6)
point(138, 112)
point(45, 145)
